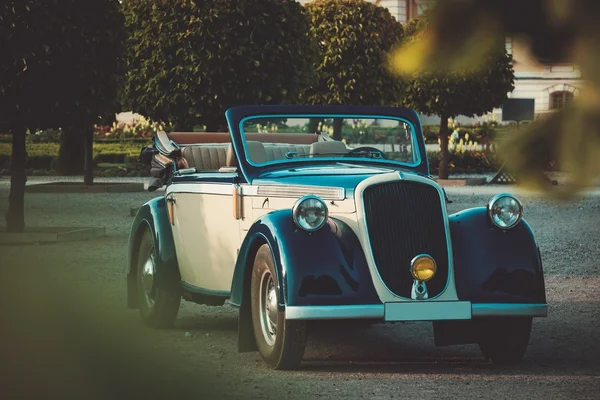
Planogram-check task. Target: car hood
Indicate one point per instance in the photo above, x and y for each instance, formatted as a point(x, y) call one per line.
point(340, 175)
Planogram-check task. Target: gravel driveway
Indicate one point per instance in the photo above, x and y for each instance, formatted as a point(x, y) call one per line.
point(67, 334)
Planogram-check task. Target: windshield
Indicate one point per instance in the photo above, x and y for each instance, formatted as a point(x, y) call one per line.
point(276, 139)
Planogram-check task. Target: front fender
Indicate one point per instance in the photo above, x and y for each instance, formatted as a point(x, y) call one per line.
point(327, 267)
point(493, 265)
point(153, 216)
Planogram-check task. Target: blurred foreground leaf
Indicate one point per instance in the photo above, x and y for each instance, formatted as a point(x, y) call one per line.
point(462, 34)
point(569, 138)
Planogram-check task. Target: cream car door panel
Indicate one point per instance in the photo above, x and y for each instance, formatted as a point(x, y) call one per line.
point(206, 235)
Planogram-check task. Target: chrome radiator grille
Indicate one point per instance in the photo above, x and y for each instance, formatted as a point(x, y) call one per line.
point(404, 219)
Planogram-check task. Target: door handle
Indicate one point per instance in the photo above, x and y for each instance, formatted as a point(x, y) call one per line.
point(171, 208)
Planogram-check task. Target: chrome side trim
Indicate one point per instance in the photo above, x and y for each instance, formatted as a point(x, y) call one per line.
point(366, 311)
point(509, 310)
point(299, 191)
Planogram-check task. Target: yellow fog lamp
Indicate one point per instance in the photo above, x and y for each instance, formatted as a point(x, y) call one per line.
point(423, 267)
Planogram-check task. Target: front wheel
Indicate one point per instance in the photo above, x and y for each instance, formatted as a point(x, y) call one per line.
point(504, 341)
point(280, 342)
point(158, 306)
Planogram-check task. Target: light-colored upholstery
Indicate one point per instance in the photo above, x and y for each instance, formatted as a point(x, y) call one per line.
point(327, 147)
point(213, 156)
point(256, 152)
point(210, 156)
point(263, 152)
point(231, 158)
point(277, 151)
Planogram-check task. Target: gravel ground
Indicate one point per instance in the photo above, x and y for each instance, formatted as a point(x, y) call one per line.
point(66, 332)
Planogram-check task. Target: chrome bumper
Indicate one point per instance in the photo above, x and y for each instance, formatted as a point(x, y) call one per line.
point(417, 311)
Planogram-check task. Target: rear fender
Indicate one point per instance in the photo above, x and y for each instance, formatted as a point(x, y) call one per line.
point(153, 216)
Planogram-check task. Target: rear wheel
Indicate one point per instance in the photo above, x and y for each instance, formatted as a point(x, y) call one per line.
point(504, 341)
point(280, 342)
point(158, 306)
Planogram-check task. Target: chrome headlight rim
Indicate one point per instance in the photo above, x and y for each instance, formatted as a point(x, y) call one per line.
point(492, 202)
point(298, 204)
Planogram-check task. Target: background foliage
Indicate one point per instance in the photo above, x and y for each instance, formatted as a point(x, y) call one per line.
point(462, 34)
point(190, 60)
point(468, 91)
point(60, 67)
point(354, 37)
point(60, 62)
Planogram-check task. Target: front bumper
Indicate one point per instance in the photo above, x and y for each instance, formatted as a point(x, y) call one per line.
point(417, 311)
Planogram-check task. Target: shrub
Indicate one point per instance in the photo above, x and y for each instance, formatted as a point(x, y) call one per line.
point(191, 60)
point(465, 162)
point(45, 136)
point(354, 37)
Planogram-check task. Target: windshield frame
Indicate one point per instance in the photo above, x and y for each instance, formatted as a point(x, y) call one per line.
point(236, 116)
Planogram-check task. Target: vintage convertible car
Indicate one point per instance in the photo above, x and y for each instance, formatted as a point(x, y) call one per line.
point(289, 225)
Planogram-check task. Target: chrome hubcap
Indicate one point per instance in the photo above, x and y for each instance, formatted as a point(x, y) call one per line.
point(268, 308)
point(148, 280)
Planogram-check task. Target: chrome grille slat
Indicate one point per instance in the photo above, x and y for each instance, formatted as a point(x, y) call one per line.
point(404, 219)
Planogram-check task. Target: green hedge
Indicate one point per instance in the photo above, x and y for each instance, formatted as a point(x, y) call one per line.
point(43, 156)
point(131, 149)
point(469, 162)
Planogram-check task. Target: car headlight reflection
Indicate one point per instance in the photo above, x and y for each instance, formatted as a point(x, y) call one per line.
point(505, 211)
point(310, 213)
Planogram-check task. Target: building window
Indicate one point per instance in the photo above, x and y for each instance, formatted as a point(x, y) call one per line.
point(412, 9)
point(560, 99)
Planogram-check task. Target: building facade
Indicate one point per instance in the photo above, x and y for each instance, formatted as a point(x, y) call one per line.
point(551, 85)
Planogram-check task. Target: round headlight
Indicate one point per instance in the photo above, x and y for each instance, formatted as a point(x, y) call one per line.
point(423, 267)
point(310, 213)
point(505, 211)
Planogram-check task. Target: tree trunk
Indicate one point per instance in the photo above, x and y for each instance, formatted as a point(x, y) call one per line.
point(313, 124)
point(337, 128)
point(88, 170)
point(444, 155)
point(15, 216)
point(71, 153)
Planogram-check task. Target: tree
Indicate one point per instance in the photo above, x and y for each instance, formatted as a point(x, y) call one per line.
point(190, 60)
point(458, 92)
point(90, 71)
point(354, 37)
point(462, 34)
point(50, 76)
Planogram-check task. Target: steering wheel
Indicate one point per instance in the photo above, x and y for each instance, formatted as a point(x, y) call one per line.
point(369, 152)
